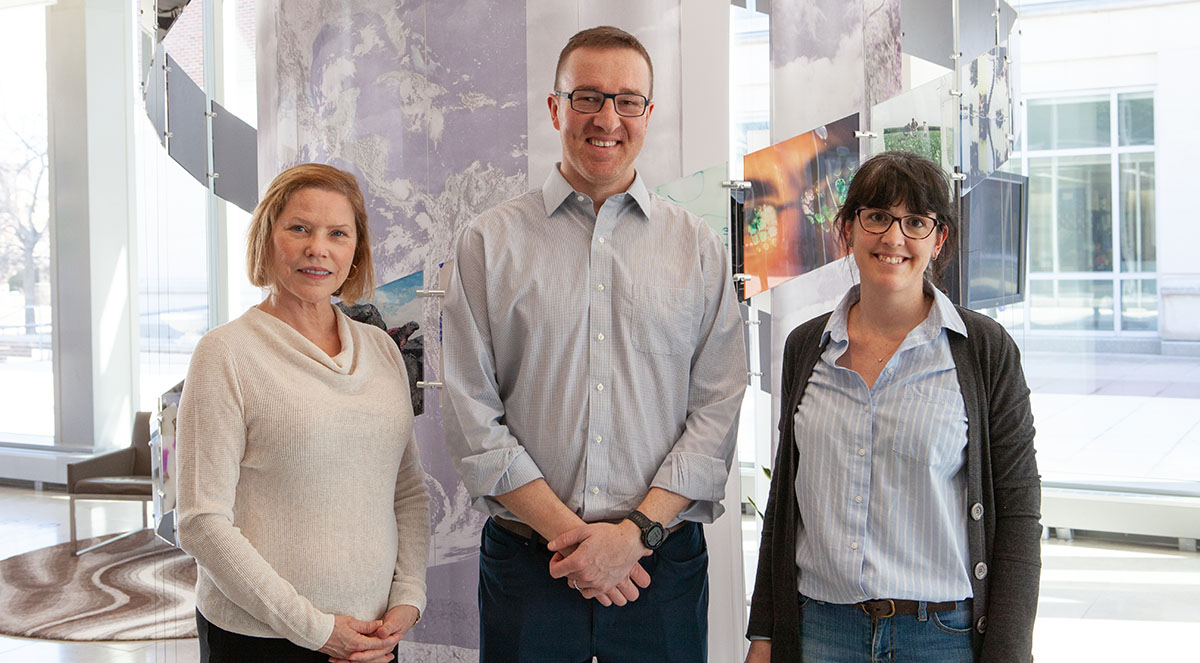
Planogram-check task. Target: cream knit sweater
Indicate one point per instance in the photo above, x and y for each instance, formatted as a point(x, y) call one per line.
point(300, 491)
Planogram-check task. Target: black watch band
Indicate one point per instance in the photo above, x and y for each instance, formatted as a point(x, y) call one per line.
point(653, 533)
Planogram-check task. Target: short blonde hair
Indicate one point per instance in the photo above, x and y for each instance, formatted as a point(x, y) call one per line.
point(360, 284)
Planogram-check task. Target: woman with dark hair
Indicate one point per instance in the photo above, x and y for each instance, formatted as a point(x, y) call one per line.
point(902, 523)
point(300, 492)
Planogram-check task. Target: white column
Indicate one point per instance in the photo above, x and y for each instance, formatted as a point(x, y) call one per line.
point(91, 99)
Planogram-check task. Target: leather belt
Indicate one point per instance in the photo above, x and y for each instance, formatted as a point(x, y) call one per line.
point(884, 608)
point(520, 529)
point(526, 532)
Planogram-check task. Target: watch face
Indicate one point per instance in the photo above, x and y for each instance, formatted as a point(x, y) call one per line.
point(654, 537)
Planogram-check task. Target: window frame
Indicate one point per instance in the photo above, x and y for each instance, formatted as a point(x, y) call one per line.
point(1114, 151)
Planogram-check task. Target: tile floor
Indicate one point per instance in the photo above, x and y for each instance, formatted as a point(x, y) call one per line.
point(1100, 602)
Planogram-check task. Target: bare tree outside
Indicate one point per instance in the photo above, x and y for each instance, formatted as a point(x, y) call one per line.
point(24, 217)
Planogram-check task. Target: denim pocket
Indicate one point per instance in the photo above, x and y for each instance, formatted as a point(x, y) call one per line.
point(679, 569)
point(955, 622)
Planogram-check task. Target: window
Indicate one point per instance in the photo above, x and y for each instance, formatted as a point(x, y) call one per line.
point(26, 355)
point(173, 238)
point(1092, 248)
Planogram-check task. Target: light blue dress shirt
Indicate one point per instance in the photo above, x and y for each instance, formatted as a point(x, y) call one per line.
point(601, 352)
point(881, 484)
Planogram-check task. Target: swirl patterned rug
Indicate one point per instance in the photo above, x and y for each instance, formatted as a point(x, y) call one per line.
point(135, 589)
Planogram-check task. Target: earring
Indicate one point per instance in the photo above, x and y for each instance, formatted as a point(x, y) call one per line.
point(354, 268)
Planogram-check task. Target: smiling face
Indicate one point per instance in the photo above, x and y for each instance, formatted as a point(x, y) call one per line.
point(892, 263)
point(312, 247)
point(598, 149)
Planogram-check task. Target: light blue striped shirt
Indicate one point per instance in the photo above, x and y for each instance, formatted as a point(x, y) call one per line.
point(881, 483)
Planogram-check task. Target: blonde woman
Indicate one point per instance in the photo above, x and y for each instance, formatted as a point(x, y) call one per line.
point(300, 492)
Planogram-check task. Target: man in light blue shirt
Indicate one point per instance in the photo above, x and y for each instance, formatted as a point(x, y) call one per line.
point(594, 371)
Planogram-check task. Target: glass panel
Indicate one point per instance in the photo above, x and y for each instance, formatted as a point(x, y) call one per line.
point(236, 85)
point(1071, 305)
point(242, 295)
point(1069, 123)
point(1139, 305)
point(1070, 215)
point(750, 85)
point(1138, 246)
point(26, 359)
point(172, 269)
point(185, 41)
point(1135, 118)
point(1041, 215)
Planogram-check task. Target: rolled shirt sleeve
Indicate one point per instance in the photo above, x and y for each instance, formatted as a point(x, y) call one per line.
point(489, 458)
point(698, 465)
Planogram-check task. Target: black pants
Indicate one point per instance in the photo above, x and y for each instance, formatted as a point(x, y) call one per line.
point(220, 646)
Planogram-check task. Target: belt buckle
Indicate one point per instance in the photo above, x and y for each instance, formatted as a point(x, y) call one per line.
point(891, 611)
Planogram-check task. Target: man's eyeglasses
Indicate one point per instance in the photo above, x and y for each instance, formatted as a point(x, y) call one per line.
point(877, 222)
point(626, 104)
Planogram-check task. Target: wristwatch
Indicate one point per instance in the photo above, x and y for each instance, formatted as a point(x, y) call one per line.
point(653, 534)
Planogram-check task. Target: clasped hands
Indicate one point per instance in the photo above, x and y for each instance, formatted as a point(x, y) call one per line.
point(601, 561)
point(356, 641)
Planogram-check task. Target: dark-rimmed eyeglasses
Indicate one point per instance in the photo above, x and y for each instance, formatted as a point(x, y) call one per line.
point(626, 104)
point(914, 226)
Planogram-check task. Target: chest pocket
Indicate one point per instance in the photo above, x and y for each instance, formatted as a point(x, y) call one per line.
point(663, 320)
point(932, 426)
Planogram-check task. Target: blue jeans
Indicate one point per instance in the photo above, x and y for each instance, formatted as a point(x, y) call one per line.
point(840, 633)
point(527, 616)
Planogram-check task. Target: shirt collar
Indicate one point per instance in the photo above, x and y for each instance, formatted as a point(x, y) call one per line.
point(941, 314)
point(556, 190)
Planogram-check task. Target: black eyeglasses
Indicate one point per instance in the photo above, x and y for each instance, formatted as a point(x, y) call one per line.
point(626, 104)
point(914, 226)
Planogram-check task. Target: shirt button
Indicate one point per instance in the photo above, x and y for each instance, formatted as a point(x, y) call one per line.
point(600, 336)
point(595, 490)
point(976, 511)
point(862, 452)
point(858, 499)
point(599, 439)
point(579, 198)
point(601, 240)
point(599, 387)
point(854, 545)
point(600, 287)
point(866, 408)
point(981, 571)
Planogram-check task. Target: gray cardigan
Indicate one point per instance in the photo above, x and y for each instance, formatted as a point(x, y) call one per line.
point(1003, 494)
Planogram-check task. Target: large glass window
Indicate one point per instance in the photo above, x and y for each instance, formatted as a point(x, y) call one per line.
point(26, 356)
point(1057, 124)
point(1092, 228)
point(1138, 252)
point(173, 237)
point(237, 92)
point(1109, 410)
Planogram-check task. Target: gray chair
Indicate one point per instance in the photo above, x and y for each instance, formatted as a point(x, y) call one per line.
point(123, 474)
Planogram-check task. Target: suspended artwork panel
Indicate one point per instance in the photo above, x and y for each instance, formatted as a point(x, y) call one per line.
point(702, 194)
point(987, 116)
point(796, 189)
